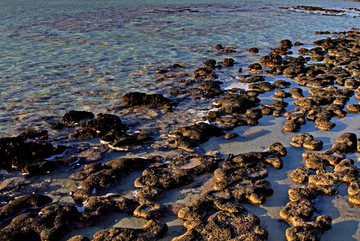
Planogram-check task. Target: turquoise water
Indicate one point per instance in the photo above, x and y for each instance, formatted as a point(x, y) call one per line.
point(61, 55)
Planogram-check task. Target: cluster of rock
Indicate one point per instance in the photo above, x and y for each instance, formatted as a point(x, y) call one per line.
point(320, 182)
point(28, 153)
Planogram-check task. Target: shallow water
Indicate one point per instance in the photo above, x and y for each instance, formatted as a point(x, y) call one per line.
point(84, 55)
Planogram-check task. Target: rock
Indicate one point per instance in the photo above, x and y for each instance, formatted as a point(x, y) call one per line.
point(252, 192)
point(248, 166)
point(111, 172)
point(292, 126)
point(73, 117)
point(254, 66)
point(286, 43)
point(104, 125)
point(210, 64)
point(20, 154)
point(204, 73)
point(57, 125)
point(228, 220)
point(148, 210)
point(295, 213)
point(344, 144)
point(281, 84)
point(307, 141)
point(300, 175)
point(22, 203)
point(180, 171)
point(325, 182)
point(51, 224)
point(324, 124)
point(271, 60)
point(226, 226)
point(229, 62)
point(137, 99)
point(262, 87)
point(353, 108)
point(79, 238)
point(152, 230)
point(191, 136)
point(230, 136)
point(318, 161)
point(303, 193)
point(346, 171)
point(96, 207)
point(354, 192)
point(253, 50)
point(233, 103)
point(310, 230)
point(219, 47)
point(296, 93)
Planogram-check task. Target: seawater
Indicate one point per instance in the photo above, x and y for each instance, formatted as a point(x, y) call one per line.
point(84, 55)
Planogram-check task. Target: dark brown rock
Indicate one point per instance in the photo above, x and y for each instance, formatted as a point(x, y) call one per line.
point(253, 50)
point(73, 117)
point(28, 156)
point(137, 99)
point(229, 62)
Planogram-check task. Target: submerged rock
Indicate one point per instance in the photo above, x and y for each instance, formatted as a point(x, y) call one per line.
point(137, 99)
